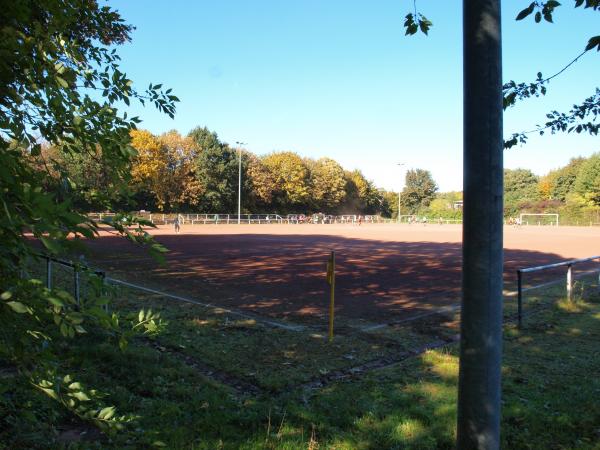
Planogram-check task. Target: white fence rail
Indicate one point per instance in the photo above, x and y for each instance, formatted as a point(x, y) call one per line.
point(569, 279)
point(219, 219)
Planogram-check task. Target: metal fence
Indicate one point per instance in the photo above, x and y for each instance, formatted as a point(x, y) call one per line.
point(74, 277)
point(262, 219)
point(265, 219)
point(569, 280)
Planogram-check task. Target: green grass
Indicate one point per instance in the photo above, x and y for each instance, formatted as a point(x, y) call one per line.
point(273, 359)
point(551, 385)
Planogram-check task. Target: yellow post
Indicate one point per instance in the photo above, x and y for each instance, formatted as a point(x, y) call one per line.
point(331, 280)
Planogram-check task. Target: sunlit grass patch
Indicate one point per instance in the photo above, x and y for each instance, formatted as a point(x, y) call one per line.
point(442, 363)
point(569, 306)
point(410, 429)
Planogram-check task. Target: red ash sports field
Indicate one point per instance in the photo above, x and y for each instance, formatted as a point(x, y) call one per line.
point(385, 273)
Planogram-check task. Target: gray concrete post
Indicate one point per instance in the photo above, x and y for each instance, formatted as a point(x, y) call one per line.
point(478, 422)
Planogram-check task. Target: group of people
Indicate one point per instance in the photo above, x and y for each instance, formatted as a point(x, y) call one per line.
point(415, 219)
point(514, 221)
point(423, 220)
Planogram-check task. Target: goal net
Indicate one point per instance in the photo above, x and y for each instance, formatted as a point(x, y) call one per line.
point(538, 219)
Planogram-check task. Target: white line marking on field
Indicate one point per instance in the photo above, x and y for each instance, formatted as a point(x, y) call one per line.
point(441, 310)
point(208, 305)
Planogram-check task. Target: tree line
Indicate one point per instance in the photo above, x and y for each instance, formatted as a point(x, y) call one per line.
point(573, 191)
point(198, 172)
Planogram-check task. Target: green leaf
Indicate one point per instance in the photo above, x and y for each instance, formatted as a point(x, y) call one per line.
point(49, 392)
point(50, 244)
point(593, 42)
point(6, 295)
point(107, 413)
point(527, 11)
point(75, 318)
point(424, 25)
point(62, 82)
point(56, 301)
point(122, 343)
point(81, 396)
point(18, 307)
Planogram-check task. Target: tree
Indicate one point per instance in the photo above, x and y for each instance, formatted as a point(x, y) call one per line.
point(587, 183)
point(388, 203)
point(390, 199)
point(327, 184)
point(163, 171)
point(443, 205)
point(184, 188)
point(361, 195)
point(545, 186)
point(520, 185)
point(147, 169)
point(564, 179)
point(81, 177)
point(259, 184)
point(292, 189)
point(60, 85)
point(557, 184)
point(419, 190)
point(216, 169)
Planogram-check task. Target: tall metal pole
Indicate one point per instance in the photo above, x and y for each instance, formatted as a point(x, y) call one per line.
point(239, 144)
point(478, 424)
point(400, 192)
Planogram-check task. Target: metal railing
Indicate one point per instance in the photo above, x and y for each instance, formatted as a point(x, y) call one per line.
point(217, 219)
point(569, 280)
point(214, 219)
point(77, 268)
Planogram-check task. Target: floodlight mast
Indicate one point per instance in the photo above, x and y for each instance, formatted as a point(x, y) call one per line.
point(400, 191)
point(239, 144)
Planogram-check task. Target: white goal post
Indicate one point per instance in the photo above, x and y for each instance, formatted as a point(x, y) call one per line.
point(548, 219)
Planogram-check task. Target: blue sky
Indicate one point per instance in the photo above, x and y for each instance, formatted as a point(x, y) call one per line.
point(340, 79)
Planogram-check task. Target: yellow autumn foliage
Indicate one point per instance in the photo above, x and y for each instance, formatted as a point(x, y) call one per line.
point(164, 167)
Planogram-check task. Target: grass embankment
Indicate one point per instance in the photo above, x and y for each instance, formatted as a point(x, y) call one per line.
point(215, 381)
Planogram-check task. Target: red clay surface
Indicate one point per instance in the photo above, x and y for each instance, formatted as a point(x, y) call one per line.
point(384, 272)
